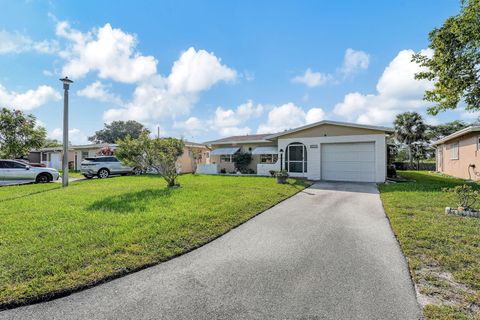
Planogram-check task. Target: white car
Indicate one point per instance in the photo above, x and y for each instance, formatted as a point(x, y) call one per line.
point(14, 172)
point(104, 166)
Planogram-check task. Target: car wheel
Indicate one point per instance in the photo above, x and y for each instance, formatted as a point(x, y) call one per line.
point(42, 178)
point(137, 171)
point(103, 173)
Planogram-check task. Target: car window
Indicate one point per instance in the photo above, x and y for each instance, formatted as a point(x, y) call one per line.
point(17, 165)
point(3, 164)
point(112, 159)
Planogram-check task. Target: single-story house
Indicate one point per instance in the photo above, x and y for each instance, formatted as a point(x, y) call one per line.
point(52, 156)
point(458, 154)
point(194, 154)
point(325, 150)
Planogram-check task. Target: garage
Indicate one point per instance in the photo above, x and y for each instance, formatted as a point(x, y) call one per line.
point(348, 161)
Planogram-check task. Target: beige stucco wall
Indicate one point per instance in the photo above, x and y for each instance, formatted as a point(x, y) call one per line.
point(186, 161)
point(467, 154)
point(328, 130)
point(230, 166)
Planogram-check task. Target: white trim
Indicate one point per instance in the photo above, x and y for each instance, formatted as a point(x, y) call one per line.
point(457, 134)
point(337, 123)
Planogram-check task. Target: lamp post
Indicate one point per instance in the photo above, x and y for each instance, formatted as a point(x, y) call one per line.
point(66, 86)
point(281, 159)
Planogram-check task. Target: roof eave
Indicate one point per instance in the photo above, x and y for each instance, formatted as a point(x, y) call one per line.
point(338, 123)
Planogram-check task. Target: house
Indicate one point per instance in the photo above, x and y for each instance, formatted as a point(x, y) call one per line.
point(52, 156)
point(458, 154)
point(325, 150)
point(194, 154)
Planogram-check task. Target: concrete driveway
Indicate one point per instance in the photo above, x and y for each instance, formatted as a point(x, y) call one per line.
point(326, 253)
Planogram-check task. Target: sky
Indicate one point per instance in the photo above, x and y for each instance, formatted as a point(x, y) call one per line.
point(202, 70)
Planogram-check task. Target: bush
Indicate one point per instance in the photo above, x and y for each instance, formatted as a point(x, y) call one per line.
point(247, 171)
point(242, 160)
point(272, 173)
point(223, 171)
point(466, 195)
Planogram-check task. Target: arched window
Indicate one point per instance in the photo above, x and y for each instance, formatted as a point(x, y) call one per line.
point(296, 157)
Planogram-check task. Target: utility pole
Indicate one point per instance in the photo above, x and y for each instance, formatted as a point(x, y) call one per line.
point(66, 86)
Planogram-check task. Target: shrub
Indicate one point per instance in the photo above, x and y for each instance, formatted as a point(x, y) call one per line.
point(223, 171)
point(466, 195)
point(242, 160)
point(272, 173)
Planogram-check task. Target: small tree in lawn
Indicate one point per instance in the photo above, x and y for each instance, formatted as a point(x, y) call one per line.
point(19, 133)
point(160, 154)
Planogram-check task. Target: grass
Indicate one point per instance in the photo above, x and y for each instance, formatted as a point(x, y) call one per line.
point(55, 240)
point(443, 251)
point(72, 173)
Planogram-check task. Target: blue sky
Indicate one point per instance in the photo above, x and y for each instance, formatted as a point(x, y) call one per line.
point(206, 69)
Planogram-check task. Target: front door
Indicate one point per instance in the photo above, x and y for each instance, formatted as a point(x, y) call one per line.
point(296, 159)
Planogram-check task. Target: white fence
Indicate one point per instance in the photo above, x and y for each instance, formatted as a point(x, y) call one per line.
point(263, 169)
point(209, 168)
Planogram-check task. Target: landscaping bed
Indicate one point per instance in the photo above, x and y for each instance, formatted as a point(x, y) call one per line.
point(54, 241)
point(443, 250)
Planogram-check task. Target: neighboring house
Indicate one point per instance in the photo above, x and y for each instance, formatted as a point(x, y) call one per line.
point(194, 154)
point(52, 156)
point(458, 154)
point(325, 150)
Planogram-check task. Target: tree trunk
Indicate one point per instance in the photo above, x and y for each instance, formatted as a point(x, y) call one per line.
point(410, 158)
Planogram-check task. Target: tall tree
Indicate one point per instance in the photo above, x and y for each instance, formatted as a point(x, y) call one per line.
point(19, 133)
point(409, 128)
point(454, 66)
point(443, 130)
point(118, 130)
point(144, 153)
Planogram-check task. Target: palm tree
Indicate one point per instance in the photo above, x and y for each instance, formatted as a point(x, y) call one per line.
point(409, 128)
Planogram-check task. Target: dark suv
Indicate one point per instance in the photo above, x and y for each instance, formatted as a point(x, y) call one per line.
point(103, 167)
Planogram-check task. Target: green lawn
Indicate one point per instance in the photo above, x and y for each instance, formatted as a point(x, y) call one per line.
point(54, 239)
point(72, 173)
point(443, 251)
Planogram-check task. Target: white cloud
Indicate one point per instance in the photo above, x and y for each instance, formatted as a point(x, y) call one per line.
point(354, 61)
point(110, 52)
point(15, 42)
point(312, 79)
point(159, 97)
point(288, 116)
point(314, 115)
point(75, 136)
point(197, 71)
point(225, 122)
point(28, 100)
point(99, 91)
point(397, 91)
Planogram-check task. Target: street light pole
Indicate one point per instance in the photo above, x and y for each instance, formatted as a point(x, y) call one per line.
point(66, 86)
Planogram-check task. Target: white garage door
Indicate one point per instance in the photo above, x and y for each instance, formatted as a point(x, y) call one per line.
point(348, 162)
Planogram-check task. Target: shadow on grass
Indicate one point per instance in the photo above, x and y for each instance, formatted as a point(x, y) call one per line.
point(59, 187)
point(425, 182)
point(133, 201)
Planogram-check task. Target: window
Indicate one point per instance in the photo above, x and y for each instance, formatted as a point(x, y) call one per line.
point(454, 151)
point(207, 155)
point(268, 158)
point(226, 158)
point(3, 164)
point(296, 158)
point(12, 165)
point(44, 156)
point(478, 143)
point(84, 154)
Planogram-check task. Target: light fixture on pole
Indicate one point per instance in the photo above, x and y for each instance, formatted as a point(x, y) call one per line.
point(281, 159)
point(66, 86)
